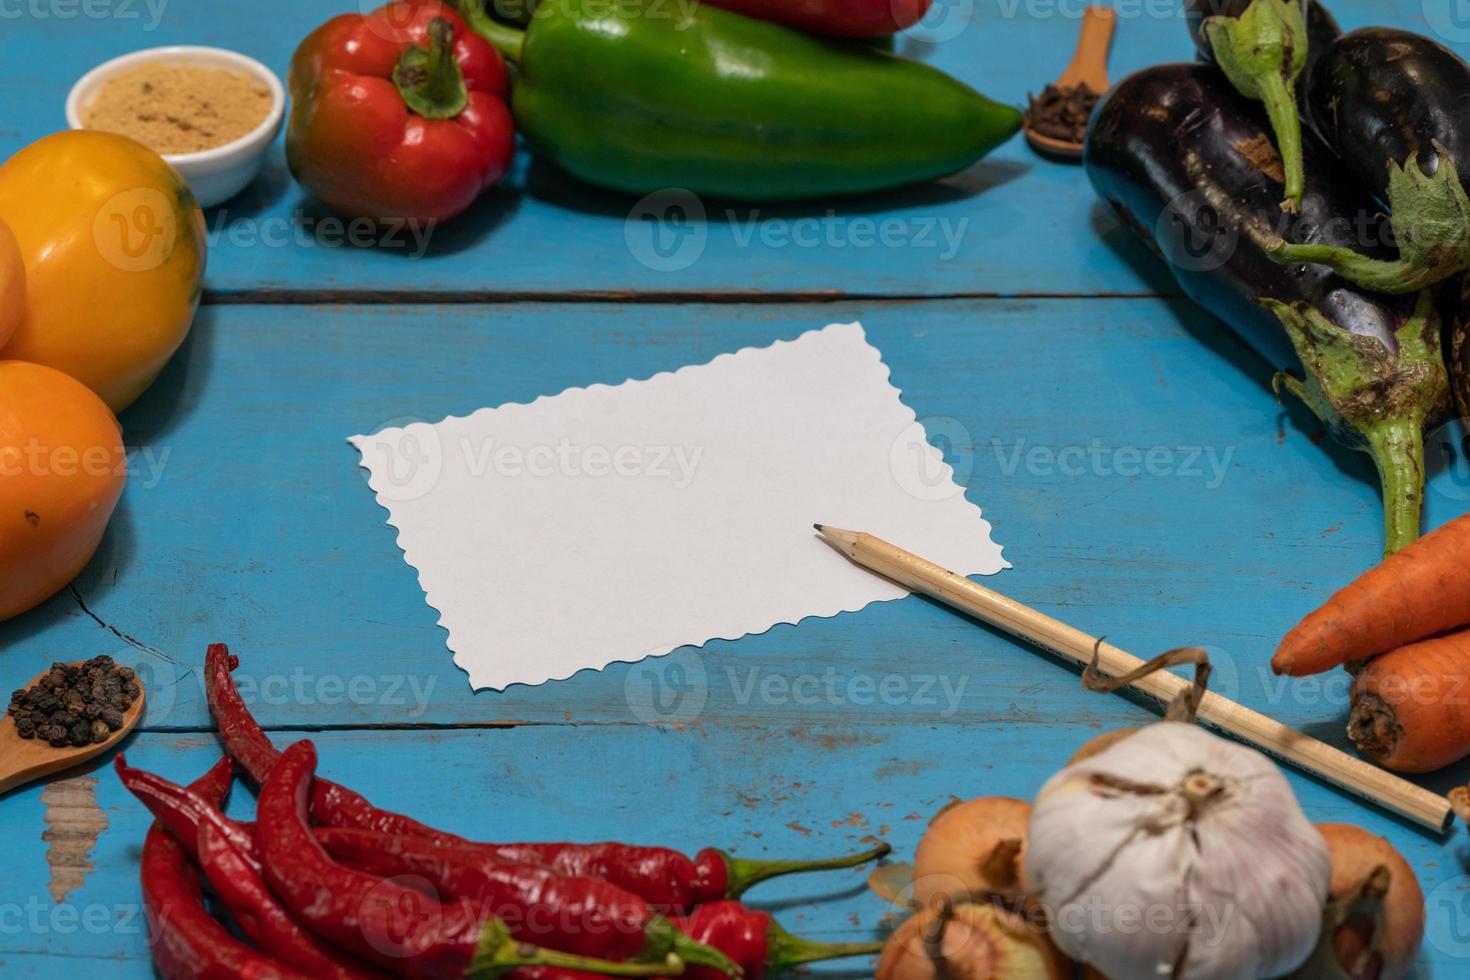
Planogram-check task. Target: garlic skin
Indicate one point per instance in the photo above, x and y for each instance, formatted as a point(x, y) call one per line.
point(1176, 853)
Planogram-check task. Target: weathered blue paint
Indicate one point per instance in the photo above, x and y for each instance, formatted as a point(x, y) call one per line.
point(258, 530)
point(755, 789)
point(1013, 224)
point(1145, 483)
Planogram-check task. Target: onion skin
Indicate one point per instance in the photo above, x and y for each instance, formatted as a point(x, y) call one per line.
point(1100, 743)
point(954, 858)
point(1355, 854)
point(980, 942)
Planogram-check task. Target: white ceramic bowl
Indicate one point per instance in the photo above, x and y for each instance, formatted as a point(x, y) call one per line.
point(217, 174)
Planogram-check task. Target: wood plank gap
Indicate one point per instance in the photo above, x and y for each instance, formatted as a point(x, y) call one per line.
point(347, 297)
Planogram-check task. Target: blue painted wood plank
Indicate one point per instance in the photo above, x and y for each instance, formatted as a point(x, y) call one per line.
point(1140, 475)
point(764, 791)
point(1013, 224)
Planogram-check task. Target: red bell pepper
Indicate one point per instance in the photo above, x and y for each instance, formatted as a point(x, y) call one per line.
point(398, 115)
point(838, 18)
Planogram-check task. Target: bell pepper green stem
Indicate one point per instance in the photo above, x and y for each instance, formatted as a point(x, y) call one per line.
point(498, 953)
point(1263, 53)
point(783, 950)
point(744, 872)
point(664, 939)
point(430, 81)
point(1430, 219)
point(506, 39)
point(1373, 399)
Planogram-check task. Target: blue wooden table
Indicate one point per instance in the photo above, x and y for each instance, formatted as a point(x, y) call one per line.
point(1142, 478)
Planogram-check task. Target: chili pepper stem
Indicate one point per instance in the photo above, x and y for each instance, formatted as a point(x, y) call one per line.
point(1430, 219)
point(1373, 399)
point(785, 950)
point(1263, 52)
point(498, 953)
point(506, 39)
point(663, 939)
point(745, 873)
point(431, 81)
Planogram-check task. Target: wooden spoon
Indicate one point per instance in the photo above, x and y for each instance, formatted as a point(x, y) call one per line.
point(23, 760)
point(1089, 67)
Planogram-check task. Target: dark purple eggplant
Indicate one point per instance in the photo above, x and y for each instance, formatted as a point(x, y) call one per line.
point(1263, 47)
point(1322, 28)
point(1395, 107)
point(1187, 163)
point(1454, 310)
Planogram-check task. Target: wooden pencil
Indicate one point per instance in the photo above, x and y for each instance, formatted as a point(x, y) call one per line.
point(1270, 736)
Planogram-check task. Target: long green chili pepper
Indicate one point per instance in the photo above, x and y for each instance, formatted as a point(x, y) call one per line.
point(640, 97)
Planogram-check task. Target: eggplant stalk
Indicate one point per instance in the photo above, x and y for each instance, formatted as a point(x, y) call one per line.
point(1263, 53)
point(1430, 218)
point(1371, 400)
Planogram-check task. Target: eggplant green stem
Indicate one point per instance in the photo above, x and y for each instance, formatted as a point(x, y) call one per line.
point(784, 950)
point(498, 953)
point(1263, 52)
point(745, 873)
point(430, 81)
point(1373, 399)
point(509, 41)
point(1430, 219)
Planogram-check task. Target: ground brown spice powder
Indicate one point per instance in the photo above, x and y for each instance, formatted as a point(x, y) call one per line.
point(179, 108)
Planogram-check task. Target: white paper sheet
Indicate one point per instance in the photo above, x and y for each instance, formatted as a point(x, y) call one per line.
point(612, 523)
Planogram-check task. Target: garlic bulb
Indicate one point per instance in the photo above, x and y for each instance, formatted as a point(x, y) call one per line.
point(1176, 853)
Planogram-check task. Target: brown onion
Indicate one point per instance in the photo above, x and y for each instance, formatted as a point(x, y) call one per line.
point(1375, 909)
point(976, 941)
point(971, 848)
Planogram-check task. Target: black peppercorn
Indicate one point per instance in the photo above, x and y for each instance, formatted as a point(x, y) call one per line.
point(75, 704)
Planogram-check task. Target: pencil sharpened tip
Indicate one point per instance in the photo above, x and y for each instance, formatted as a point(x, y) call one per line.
point(819, 527)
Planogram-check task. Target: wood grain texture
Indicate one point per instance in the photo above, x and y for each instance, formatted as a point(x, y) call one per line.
point(1012, 224)
point(1145, 484)
point(26, 759)
point(1142, 478)
point(758, 790)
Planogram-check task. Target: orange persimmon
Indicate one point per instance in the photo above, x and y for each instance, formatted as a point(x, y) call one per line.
point(62, 469)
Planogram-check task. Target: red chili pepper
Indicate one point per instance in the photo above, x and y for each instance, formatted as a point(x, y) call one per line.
point(401, 928)
point(181, 810)
point(262, 918)
point(247, 742)
point(757, 942)
point(586, 916)
point(839, 18)
point(667, 880)
point(398, 115)
point(187, 942)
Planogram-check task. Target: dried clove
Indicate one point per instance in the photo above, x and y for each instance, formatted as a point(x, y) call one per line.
point(1062, 113)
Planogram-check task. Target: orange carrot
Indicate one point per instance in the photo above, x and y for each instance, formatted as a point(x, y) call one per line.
point(1411, 707)
point(1417, 592)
